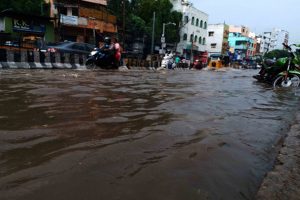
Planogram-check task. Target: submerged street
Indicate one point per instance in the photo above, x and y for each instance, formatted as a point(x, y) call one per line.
point(83, 134)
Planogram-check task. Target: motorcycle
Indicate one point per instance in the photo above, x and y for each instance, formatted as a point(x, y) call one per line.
point(270, 68)
point(102, 58)
point(291, 76)
point(168, 61)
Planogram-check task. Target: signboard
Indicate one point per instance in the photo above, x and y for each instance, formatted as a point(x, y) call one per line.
point(20, 25)
point(82, 21)
point(162, 39)
point(2, 24)
point(70, 20)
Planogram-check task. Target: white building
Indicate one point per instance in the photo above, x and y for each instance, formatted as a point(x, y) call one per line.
point(273, 40)
point(193, 32)
point(217, 40)
point(278, 36)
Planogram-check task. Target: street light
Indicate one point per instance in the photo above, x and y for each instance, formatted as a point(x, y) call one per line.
point(163, 39)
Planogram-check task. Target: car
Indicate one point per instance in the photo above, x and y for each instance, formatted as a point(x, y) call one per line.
point(71, 47)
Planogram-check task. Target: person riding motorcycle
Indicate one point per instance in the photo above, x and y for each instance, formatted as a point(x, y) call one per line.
point(112, 49)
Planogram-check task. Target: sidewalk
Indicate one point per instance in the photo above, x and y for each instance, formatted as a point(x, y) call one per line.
point(283, 182)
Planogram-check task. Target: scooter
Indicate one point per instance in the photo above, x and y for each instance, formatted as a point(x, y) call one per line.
point(102, 58)
point(168, 62)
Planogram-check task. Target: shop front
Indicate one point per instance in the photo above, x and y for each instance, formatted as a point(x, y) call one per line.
point(25, 31)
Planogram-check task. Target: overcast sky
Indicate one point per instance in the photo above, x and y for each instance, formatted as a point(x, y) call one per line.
point(258, 15)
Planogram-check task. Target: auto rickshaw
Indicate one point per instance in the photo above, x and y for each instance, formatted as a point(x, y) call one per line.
point(216, 61)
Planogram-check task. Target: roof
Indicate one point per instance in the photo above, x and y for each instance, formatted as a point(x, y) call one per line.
point(102, 2)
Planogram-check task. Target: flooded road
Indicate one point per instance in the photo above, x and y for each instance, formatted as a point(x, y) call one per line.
point(138, 134)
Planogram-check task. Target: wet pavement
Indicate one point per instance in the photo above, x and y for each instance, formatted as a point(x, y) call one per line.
point(135, 135)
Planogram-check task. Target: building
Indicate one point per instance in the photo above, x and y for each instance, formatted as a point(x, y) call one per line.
point(24, 30)
point(217, 40)
point(273, 40)
point(278, 36)
point(193, 31)
point(82, 20)
point(241, 44)
point(265, 41)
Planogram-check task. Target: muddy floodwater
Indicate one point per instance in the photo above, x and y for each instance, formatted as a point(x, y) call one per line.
point(138, 135)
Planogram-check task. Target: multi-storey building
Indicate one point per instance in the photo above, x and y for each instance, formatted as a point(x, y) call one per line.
point(278, 36)
point(217, 40)
point(82, 20)
point(193, 31)
point(265, 41)
point(239, 41)
point(273, 40)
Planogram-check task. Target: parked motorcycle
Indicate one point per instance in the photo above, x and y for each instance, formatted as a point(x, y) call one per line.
point(291, 76)
point(102, 58)
point(270, 68)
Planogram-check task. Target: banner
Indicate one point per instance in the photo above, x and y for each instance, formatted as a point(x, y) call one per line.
point(70, 20)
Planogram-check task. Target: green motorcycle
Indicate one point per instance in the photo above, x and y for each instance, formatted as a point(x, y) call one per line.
point(291, 76)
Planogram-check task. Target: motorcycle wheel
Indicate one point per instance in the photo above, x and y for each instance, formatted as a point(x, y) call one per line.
point(90, 65)
point(291, 80)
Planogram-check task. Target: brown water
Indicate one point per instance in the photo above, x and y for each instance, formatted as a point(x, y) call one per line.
point(138, 135)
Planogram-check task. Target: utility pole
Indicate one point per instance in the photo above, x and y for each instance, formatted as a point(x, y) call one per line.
point(124, 26)
point(192, 56)
point(153, 31)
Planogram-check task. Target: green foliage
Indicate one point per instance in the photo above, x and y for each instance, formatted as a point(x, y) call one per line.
point(276, 54)
point(139, 18)
point(35, 7)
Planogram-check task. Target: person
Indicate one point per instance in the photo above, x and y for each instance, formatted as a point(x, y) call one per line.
point(107, 44)
point(116, 47)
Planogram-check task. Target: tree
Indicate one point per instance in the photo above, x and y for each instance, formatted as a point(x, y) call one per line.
point(24, 6)
point(139, 18)
point(277, 53)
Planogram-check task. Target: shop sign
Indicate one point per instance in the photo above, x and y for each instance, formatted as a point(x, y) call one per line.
point(2, 25)
point(82, 21)
point(20, 25)
point(70, 20)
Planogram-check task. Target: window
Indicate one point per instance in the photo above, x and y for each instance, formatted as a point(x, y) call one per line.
point(213, 45)
point(200, 40)
point(204, 41)
point(186, 19)
point(185, 37)
point(63, 11)
point(211, 33)
point(205, 25)
point(193, 20)
point(197, 22)
point(196, 38)
point(75, 12)
point(191, 38)
point(201, 24)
